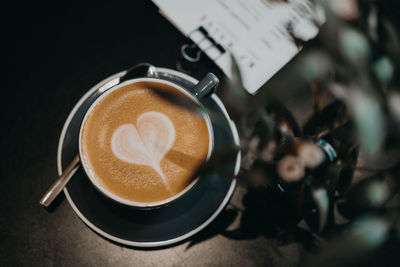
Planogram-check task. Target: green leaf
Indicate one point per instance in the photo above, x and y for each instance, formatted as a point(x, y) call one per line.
point(368, 116)
point(384, 70)
point(354, 45)
point(369, 232)
point(320, 197)
point(369, 119)
point(356, 242)
point(315, 65)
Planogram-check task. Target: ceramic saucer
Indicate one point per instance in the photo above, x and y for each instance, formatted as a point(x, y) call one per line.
point(175, 222)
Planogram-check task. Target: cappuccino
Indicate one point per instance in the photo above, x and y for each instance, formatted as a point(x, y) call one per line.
point(140, 146)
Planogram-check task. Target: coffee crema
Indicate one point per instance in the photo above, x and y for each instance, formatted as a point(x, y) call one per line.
point(140, 146)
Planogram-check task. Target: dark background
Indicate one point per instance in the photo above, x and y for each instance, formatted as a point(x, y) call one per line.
point(52, 54)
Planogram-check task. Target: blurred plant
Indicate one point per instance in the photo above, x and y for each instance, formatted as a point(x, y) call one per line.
point(352, 70)
point(304, 172)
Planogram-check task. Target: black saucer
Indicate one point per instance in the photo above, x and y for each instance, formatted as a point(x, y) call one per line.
point(148, 228)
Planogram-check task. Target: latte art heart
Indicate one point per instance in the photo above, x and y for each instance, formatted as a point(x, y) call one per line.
point(147, 143)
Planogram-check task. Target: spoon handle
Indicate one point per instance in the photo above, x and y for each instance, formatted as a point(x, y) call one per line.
point(61, 181)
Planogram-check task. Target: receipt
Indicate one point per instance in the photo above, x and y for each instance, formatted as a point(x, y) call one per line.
point(255, 32)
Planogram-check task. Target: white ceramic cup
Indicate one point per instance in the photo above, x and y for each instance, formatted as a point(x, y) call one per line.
point(91, 175)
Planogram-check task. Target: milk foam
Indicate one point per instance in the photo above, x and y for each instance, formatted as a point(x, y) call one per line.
point(147, 143)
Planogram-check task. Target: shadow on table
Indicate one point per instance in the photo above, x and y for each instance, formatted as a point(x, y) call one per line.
point(265, 213)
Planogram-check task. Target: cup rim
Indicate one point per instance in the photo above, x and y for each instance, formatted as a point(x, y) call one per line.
point(116, 198)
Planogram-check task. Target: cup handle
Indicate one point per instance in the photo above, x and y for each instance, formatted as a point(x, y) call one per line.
point(206, 86)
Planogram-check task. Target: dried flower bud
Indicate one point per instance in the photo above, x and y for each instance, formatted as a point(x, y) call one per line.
point(285, 129)
point(345, 9)
point(268, 152)
point(310, 155)
point(290, 169)
point(254, 143)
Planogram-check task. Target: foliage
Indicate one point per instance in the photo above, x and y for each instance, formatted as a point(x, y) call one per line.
point(351, 69)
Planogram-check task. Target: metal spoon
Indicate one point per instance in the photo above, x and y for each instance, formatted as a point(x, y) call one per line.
point(60, 183)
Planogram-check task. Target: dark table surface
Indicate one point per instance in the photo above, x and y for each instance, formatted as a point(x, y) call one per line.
point(54, 53)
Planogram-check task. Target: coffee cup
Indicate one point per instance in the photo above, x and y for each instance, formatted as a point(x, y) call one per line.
point(141, 142)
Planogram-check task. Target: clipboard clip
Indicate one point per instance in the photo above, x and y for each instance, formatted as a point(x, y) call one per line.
point(201, 41)
point(191, 52)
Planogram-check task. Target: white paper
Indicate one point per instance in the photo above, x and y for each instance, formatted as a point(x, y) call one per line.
point(254, 31)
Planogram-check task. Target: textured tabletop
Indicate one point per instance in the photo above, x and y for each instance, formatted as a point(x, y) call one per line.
point(54, 54)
